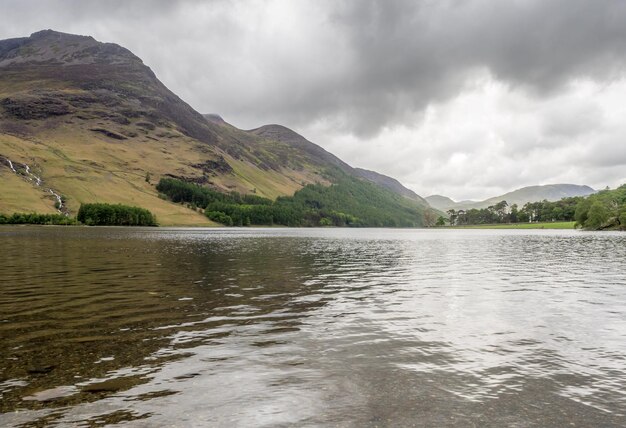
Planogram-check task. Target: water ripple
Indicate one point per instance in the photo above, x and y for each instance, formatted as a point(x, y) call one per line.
point(317, 327)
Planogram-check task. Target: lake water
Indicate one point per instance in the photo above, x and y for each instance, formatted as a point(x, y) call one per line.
point(311, 327)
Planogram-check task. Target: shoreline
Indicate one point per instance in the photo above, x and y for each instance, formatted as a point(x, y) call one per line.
point(543, 225)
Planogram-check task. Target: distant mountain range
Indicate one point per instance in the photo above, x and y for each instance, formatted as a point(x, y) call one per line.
point(85, 121)
point(549, 192)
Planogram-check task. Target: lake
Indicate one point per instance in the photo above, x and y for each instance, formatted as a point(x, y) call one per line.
point(312, 327)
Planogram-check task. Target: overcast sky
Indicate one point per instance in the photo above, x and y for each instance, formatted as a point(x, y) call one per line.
point(468, 99)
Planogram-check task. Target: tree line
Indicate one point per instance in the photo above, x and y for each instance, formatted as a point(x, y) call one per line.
point(34, 218)
point(100, 214)
point(502, 212)
point(182, 191)
point(603, 210)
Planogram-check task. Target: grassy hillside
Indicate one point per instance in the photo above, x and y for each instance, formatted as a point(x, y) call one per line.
point(93, 172)
point(93, 122)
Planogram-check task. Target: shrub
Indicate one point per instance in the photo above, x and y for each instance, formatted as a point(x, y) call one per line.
point(114, 215)
point(220, 217)
point(33, 218)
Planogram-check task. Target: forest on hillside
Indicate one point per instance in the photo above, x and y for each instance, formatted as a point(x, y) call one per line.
point(347, 202)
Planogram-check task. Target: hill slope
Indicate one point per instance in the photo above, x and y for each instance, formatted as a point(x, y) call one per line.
point(94, 124)
point(549, 192)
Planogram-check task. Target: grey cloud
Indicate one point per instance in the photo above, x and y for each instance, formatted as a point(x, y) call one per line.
point(573, 122)
point(351, 70)
point(383, 61)
point(427, 49)
point(609, 151)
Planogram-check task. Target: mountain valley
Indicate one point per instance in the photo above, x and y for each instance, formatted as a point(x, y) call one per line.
point(96, 125)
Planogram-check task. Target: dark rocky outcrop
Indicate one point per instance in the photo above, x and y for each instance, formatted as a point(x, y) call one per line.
point(213, 167)
point(203, 179)
point(108, 133)
point(34, 107)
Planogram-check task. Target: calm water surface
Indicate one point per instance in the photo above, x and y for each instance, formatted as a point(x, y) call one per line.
point(311, 327)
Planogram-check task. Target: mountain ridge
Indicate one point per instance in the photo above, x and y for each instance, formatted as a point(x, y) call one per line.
point(96, 124)
point(521, 196)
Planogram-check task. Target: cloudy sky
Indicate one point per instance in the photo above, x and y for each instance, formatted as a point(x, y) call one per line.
point(463, 98)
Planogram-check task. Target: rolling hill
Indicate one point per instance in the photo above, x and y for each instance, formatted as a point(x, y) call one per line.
point(549, 192)
point(84, 121)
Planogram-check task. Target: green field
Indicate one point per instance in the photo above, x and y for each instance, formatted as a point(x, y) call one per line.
point(548, 225)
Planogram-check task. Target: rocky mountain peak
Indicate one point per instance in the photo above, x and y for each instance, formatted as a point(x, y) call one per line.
point(54, 47)
point(52, 34)
point(278, 132)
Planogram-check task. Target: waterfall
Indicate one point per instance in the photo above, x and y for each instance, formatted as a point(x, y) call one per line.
point(11, 165)
point(59, 200)
point(32, 176)
point(38, 181)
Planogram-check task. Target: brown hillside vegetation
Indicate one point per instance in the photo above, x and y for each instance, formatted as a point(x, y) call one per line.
point(94, 123)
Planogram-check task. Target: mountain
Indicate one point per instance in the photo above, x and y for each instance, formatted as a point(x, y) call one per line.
point(85, 121)
point(286, 135)
point(314, 153)
point(441, 202)
point(390, 184)
point(549, 192)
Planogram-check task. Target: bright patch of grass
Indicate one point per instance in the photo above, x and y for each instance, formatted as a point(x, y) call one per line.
point(547, 225)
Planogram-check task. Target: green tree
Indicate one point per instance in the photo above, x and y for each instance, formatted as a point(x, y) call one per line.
point(325, 222)
point(582, 212)
point(220, 217)
point(514, 214)
point(453, 216)
point(622, 218)
point(100, 214)
point(500, 209)
point(597, 215)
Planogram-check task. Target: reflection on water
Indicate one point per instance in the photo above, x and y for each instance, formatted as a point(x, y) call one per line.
point(306, 327)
